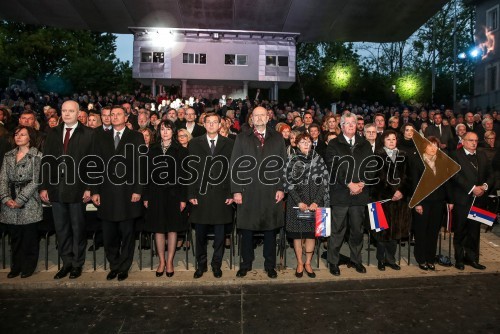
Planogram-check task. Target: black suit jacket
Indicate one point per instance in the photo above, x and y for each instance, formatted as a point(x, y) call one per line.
point(66, 184)
point(211, 197)
point(116, 190)
point(198, 131)
point(469, 176)
point(446, 136)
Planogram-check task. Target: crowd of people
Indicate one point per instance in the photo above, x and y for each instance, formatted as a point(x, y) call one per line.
point(271, 164)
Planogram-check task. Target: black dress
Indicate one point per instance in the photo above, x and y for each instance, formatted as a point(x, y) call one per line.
point(163, 192)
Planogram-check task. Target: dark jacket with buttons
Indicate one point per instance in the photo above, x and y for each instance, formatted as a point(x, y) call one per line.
point(62, 173)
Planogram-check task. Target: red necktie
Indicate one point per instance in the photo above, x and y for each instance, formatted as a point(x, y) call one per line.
point(460, 145)
point(66, 139)
point(259, 136)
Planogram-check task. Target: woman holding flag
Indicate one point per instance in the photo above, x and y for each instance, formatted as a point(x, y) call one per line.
point(307, 187)
point(429, 213)
point(393, 191)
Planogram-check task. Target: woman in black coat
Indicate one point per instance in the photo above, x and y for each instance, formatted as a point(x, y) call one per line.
point(165, 198)
point(393, 185)
point(429, 213)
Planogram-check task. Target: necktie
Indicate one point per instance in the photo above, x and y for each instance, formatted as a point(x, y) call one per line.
point(107, 129)
point(117, 139)
point(259, 136)
point(350, 142)
point(66, 139)
point(439, 127)
point(212, 146)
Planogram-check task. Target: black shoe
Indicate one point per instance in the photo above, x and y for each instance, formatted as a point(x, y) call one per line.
point(169, 274)
point(63, 272)
point(122, 276)
point(217, 272)
point(381, 266)
point(75, 272)
point(112, 275)
point(297, 274)
point(242, 273)
point(199, 273)
point(26, 275)
point(477, 266)
point(431, 266)
point(459, 266)
point(423, 266)
point(393, 266)
point(159, 274)
point(310, 274)
point(13, 274)
point(334, 269)
point(360, 268)
point(271, 273)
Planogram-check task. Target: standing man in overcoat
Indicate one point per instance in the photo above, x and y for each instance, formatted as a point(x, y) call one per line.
point(118, 197)
point(210, 195)
point(258, 191)
point(65, 146)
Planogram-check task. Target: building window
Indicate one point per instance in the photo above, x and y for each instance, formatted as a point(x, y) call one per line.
point(491, 78)
point(277, 61)
point(282, 61)
point(146, 57)
point(158, 57)
point(194, 58)
point(492, 18)
point(234, 59)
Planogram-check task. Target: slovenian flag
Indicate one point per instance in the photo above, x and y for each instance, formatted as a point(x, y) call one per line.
point(323, 222)
point(481, 215)
point(378, 221)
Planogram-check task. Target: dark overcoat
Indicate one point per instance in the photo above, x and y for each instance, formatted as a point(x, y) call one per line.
point(211, 208)
point(393, 177)
point(165, 189)
point(63, 188)
point(115, 191)
point(259, 210)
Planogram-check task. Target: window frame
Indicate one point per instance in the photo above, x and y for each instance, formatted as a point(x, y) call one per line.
point(196, 58)
point(236, 55)
point(489, 22)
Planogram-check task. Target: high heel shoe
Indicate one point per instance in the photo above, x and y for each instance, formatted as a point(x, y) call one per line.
point(297, 274)
point(431, 266)
point(169, 274)
point(311, 274)
point(160, 274)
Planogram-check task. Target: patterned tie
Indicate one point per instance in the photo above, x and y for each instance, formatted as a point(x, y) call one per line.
point(350, 142)
point(66, 139)
point(117, 139)
point(259, 136)
point(212, 146)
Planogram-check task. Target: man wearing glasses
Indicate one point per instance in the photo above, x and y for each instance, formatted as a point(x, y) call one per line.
point(194, 129)
point(471, 185)
point(348, 192)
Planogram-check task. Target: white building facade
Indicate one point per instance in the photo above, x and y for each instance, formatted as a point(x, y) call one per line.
point(212, 63)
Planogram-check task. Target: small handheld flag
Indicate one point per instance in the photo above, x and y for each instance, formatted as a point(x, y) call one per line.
point(378, 221)
point(481, 215)
point(323, 222)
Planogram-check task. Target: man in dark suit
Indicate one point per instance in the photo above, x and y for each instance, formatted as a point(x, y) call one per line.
point(471, 184)
point(440, 131)
point(118, 197)
point(349, 196)
point(211, 203)
point(66, 145)
point(259, 202)
point(318, 144)
point(194, 129)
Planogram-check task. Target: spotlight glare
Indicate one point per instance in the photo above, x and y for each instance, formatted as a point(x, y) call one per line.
point(462, 55)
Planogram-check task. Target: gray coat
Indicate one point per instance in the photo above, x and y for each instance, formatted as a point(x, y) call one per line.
point(23, 176)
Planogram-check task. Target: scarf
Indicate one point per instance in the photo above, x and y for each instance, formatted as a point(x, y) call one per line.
point(430, 161)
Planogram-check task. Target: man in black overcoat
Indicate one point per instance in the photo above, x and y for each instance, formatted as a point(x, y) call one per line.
point(472, 181)
point(118, 197)
point(210, 194)
point(62, 185)
point(258, 195)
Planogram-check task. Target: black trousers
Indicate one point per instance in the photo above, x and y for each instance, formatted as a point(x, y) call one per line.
point(247, 252)
point(119, 244)
point(69, 222)
point(426, 230)
point(466, 237)
point(202, 231)
point(346, 218)
point(25, 247)
point(386, 251)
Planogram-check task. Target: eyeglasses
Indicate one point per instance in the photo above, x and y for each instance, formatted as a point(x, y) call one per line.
point(472, 140)
point(490, 138)
point(182, 136)
point(349, 123)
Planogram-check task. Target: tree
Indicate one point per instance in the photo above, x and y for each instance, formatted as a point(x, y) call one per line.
point(60, 60)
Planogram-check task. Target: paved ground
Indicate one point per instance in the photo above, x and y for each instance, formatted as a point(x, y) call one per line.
point(450, 304)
